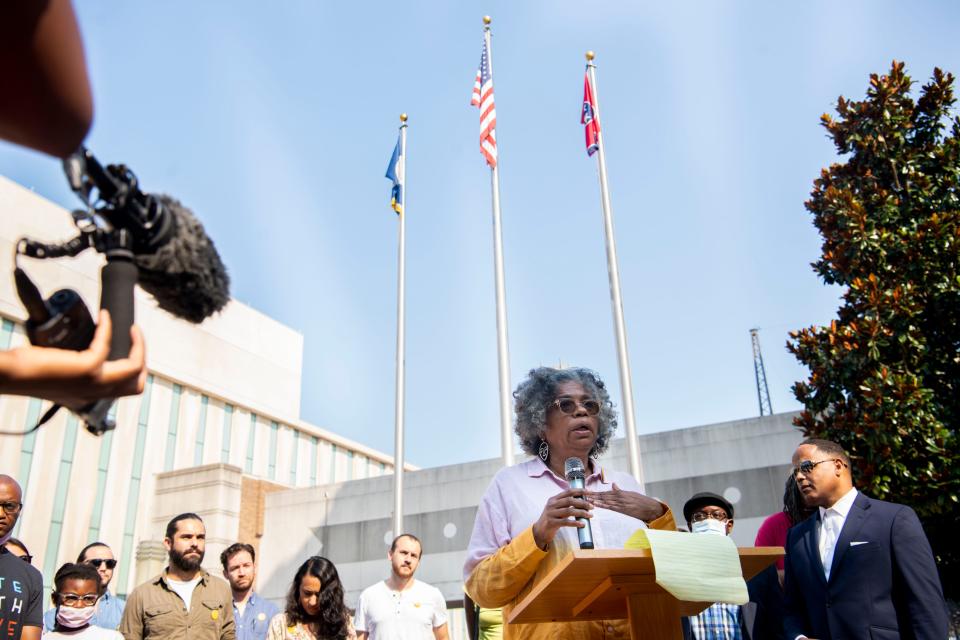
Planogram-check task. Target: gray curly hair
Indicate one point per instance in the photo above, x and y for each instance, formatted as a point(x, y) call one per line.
point(534, 396)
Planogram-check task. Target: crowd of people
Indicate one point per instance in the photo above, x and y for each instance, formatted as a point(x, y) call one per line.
point(185, 601)
point(854, 567)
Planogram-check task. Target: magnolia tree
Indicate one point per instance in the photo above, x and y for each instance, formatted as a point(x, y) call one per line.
point(885, 375)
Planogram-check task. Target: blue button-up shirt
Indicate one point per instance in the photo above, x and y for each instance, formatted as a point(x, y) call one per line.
point(255, 621)
point(108, 613)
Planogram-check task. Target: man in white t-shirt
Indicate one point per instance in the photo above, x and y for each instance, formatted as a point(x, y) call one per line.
point(400, 607)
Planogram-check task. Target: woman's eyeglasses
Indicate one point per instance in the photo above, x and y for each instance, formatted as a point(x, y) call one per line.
point(569, 406)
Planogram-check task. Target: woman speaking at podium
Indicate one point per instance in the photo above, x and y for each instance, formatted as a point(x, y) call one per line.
point(526, 520)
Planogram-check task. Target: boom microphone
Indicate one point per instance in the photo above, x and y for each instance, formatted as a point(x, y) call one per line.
point(177, 261)
point(185, 276)
point(153, 240)
point(575, 474)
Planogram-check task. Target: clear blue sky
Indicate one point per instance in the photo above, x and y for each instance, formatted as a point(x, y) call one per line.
point(275, 121)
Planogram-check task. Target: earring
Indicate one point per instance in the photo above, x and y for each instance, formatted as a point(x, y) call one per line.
point(544, 451)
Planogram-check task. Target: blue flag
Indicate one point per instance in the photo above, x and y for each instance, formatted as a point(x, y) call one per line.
point(395, 173)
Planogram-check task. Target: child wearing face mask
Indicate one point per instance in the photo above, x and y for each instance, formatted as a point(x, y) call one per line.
point(76, 592)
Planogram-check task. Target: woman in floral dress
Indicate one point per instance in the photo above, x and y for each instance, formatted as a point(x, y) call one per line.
point(315, 609)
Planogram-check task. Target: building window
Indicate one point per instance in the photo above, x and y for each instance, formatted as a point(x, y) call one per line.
point(272, 460)
point(172, 428)
point(26, 450)
point(293, 458)
point(59, 503)
point(314, 449)
point(225, 439)
point(103, 468)
point(251, 443)
point(333, 462)
point(201, 432)
point(133, 497)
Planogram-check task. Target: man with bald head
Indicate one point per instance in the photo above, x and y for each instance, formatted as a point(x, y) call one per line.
point(858, 568)
point(21, 585)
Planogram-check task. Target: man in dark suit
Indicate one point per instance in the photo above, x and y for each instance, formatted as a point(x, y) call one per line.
point(858, 568)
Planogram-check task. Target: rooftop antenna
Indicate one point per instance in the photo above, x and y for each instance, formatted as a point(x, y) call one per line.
point(763, 391)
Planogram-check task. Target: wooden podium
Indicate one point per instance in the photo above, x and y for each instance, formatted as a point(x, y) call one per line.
point(611, 584)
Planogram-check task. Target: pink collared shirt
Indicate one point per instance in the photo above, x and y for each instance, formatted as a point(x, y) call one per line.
point(516, 498)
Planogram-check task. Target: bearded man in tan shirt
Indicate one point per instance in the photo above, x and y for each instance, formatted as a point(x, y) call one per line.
point(184, 602)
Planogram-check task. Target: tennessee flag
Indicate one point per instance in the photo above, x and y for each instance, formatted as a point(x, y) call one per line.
point(395, 173)
point(588, 117)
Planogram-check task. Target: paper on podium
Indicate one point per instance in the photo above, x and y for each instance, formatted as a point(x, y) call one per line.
point(694, 567)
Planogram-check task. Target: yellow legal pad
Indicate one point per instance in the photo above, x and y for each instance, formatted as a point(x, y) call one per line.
point(694, 567)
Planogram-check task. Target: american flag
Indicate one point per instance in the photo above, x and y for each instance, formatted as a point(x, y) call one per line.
point(483, 98)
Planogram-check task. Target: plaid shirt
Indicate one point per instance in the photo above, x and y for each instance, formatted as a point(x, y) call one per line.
point(717, 622)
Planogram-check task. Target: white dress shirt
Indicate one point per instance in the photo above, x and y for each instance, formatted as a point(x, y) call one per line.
point(832, 520)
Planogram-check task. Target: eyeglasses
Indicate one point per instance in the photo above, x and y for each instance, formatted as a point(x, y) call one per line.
point(96, 562)
point(11, 508)
point(700, 516)
point(569, 406)
point(72, 599)
point(806, 467)
point(27, 558)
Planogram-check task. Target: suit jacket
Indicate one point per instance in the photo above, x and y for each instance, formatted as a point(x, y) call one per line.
point(762, 617)
point(883, 579)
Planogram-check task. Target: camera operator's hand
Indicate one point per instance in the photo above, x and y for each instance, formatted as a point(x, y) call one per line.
point(74, 379)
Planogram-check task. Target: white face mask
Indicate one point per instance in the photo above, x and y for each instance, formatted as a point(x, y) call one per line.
point(73, 617)
point(710, 526)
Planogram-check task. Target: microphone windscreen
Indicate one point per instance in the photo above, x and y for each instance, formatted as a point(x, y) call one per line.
point(185, 275)
point(573, 469)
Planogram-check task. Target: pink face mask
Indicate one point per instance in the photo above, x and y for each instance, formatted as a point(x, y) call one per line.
point(74, 618)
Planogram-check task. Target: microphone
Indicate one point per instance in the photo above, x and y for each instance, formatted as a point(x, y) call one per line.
point(153, 241)
point(185, 276)
point(575, 474)
point(176, 260)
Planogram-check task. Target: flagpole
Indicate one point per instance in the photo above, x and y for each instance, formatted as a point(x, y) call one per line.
point(503, 355)
point(399, 406)
point(626, 385)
